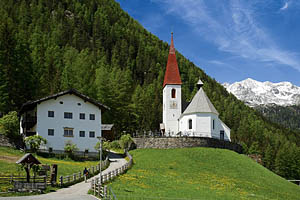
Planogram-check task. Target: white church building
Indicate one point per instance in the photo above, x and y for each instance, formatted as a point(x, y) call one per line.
point(199, 119)
point(62, 118)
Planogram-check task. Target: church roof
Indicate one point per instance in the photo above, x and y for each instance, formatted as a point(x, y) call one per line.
point(200, 104)
point(172, 76)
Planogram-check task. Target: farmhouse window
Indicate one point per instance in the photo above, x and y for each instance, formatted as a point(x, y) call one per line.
point(190, 124)
point(81, 133)
point(213, 124)
point(68, 132)
point(92, 116)
point(68, 115)
point(92, 134)
point(173, 93)
point(82, 116)
point(51, 132)
point(50, 113)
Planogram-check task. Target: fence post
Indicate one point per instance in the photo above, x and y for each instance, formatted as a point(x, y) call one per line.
point(92, 184)
point(61, 180)
point(104, 179)
point(74, 177)
point(94, 187)
point(99, 189)
point(105, 192)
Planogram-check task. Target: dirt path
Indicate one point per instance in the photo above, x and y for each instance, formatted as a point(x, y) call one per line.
point(77, 191)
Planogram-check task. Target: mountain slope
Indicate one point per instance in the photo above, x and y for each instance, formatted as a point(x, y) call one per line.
point(98, 49)
point(256, 93)
point(199, 173)
point(278, 102)
point(288, 116)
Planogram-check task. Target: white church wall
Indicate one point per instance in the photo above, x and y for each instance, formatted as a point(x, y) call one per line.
point(171, 108)
point(215, 129)
point(74, 105)
point(226, 131)
point(201, 125)
point(184, 125)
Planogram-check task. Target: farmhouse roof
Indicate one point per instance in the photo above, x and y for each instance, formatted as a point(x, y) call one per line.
point(28, 158)
point(200, 104)
point(30, 105)
point(172, 76)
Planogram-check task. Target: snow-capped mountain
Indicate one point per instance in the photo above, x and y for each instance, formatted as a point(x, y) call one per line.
point(256, 93)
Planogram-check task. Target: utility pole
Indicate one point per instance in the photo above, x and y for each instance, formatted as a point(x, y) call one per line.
point(100, 149)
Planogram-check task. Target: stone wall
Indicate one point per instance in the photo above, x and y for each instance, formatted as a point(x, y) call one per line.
point(4, 141)
point(185, 142)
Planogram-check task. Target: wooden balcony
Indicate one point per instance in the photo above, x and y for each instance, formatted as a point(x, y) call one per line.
point(29, 122)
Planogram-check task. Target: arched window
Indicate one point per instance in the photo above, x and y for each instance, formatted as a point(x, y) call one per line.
point(190, 124)
point(173, 93)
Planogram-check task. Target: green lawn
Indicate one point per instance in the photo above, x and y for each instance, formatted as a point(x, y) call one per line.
point(199, 173)
point(9, 156)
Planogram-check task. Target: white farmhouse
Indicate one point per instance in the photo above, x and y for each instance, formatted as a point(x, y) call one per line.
point(199, 119)
point(67, 116)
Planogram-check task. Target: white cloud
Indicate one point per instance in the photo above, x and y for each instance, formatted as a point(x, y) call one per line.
point(217, 62)
point(285, 6)
point(233, 27)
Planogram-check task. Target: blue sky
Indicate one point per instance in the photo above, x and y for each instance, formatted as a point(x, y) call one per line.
point(231, 40)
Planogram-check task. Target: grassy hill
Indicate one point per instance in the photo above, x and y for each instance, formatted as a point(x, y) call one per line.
point(8, 166)
point(199, 173)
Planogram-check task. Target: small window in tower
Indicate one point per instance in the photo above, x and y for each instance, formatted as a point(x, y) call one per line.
point(173, 91)
point(213, 124)
point(190, 124)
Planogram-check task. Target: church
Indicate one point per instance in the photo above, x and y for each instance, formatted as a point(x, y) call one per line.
point(199, 119)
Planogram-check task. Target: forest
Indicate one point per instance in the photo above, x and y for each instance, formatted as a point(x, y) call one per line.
point(288, 116)
point(98, 49)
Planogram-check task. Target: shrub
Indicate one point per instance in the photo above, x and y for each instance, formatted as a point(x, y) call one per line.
point(105, 146)
point(9, 125)
point(115, 145)
point(34, 142)
point(70, 148)
point(125, 141)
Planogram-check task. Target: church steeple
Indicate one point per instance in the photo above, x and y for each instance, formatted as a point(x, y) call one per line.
point(172, 76)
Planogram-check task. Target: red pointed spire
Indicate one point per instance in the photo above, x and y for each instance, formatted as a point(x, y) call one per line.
point(172, 76)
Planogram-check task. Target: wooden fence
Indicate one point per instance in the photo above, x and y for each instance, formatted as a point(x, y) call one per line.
point(20, 182)
point(101, 190)
point(12, 178)
point(73, 178)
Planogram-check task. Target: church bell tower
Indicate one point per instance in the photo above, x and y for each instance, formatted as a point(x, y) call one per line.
point(171, 94)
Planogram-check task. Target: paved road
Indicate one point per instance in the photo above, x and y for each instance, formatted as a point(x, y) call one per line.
point(77, 191)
